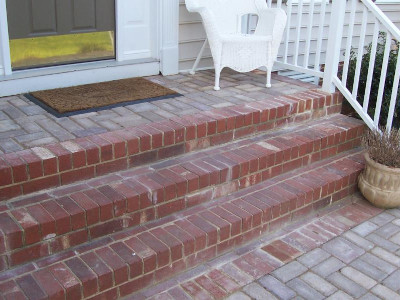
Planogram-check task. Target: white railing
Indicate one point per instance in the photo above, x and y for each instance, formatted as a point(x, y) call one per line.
point(342, 38)
point(302, 12)
point(351, 90)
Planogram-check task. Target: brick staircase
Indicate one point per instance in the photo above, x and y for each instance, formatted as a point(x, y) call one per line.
point(105, 216)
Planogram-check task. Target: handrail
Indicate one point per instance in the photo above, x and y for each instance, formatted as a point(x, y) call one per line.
point(364, 88)
point(377, 12)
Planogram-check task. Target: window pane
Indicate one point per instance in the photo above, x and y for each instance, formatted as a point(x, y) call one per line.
point(61, 49)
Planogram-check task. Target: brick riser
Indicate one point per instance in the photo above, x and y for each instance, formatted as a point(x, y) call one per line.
point(34, 231)
point(126, 262)
point(58, 164)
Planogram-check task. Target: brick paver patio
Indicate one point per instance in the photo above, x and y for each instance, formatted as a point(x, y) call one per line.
point(320, 258)
point(25, 125)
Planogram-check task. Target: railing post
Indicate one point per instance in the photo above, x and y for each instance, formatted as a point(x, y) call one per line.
point(334, 44)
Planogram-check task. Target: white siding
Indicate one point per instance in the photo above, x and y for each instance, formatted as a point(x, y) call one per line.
point(192, 35)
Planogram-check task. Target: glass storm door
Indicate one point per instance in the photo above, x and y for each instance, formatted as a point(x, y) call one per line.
point(55, 32)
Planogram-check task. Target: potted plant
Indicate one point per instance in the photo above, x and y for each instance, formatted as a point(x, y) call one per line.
point(380, 180)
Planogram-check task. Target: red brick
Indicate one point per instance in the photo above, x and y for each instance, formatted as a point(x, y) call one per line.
point(10, 192)
point(118, 200)
point(30, 287)
point(90, 150)
point(223, 280)
point(156, 135)
point(111, 166)
point(46, 221)
point(49, 161)
point(212, 234)
point(192, 179)
point(195, 291)
point(75, 211)
point(162, 251)
point(91, 208)
point(135, 285)
point(77, 175)
point(131, 197)
point(180, 182)
point(143, 192)
point(147, 254)
point(68, 240)
point(221, 138)
point(115, 263)
point(67, 280)
point(19, 171)
point(242, 214)
point(49, 284)
point(86, 276)
point(211, 287)
point(108, 295)
point(169, 186)
point(62, 218)
point(199, 198)
point(106, 148)
point(29, 224)
point(143, 158)
point(157, 190)
point(222, 225)
point(27, 254)
point(187, 240)
point(172, 243)
point(132, 140)
point(119, 145)
point(64, 157)
point(34, 163)
point(41, 184)
point(104, 274)
point(235, 222)
point(204, 176)
point(105, 204)
point(171, 207)
point(127, 255)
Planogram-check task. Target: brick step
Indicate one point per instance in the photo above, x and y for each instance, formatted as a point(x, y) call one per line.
point(311, 242)
point(125, 262)
point(39, 168)
point(38, 225)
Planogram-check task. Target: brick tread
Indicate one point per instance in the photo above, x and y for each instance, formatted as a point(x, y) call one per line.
point(122, 263)
point(62, 218)
point(39, 168)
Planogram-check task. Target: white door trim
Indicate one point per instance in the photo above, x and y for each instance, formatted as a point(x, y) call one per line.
point(169, 37)
point(5, 60)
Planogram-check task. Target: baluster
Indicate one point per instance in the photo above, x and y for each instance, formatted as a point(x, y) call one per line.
point(279, 4)
point(360, 53)
point(334, 43)
point(349, 41)
point(320, 35)
point(371, 66)
point(393, 98)
point(269, 3)
point(382, 80)
point(289, 17)
point(298, 31)
point(309, 29)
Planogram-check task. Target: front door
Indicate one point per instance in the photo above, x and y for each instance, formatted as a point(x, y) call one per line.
point(54, 32)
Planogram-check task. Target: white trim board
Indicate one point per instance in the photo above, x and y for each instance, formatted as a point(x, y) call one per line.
point(18, 84)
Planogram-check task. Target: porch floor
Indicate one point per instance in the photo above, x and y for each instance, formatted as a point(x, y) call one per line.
point(25, 125)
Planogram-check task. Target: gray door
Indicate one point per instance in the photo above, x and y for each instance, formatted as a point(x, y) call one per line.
point(29, 19)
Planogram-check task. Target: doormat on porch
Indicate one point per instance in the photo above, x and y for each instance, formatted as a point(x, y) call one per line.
point(86, 98)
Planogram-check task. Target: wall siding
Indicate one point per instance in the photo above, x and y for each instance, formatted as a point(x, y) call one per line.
point(192, 35)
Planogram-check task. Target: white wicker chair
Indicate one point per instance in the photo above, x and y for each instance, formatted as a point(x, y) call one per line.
point(229, 47)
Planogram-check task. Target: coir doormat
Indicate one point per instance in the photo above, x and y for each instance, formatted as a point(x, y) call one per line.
point(86, 98)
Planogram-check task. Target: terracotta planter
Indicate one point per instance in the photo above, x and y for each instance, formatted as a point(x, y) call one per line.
point(380, 184)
